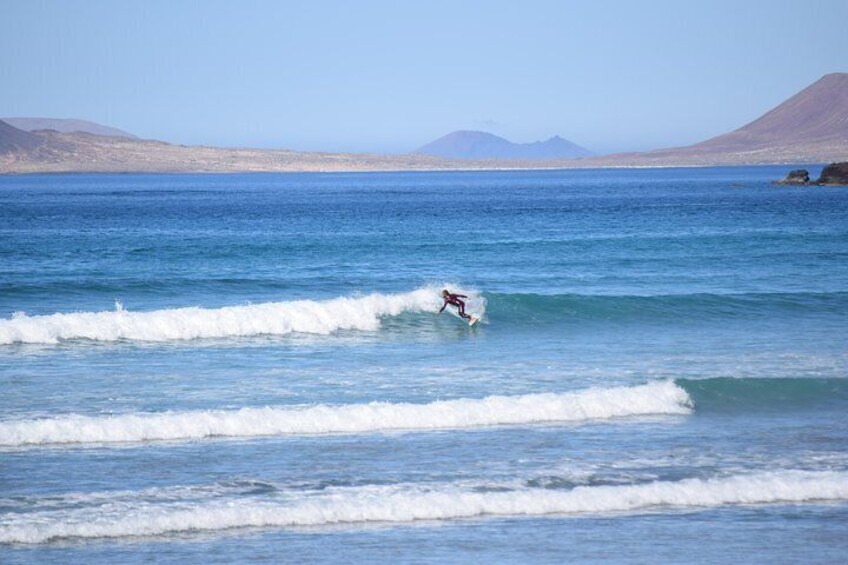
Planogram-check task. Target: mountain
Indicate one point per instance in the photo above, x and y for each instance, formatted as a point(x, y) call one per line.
point(14, 140)
point(809, 127)
point(819, 113)
point(482, 145)
point(66, 126)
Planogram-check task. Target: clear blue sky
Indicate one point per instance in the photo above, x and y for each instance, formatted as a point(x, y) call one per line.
point(391, 76)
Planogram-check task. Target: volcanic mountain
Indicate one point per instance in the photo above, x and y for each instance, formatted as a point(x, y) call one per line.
point(819, 113)
point(809, 127)
point(483, 145)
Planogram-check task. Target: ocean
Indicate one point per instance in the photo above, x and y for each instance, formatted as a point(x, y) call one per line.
point(251, 368)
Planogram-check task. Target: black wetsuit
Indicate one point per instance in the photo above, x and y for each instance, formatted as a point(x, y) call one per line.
point(454, 299)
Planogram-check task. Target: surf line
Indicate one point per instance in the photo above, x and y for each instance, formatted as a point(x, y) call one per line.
point(321, 317)
point(407, 503)
point(657, 398)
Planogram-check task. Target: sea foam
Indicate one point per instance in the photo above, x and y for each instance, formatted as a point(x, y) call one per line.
point(403, 504)
point(661, 397)
point(272, 318)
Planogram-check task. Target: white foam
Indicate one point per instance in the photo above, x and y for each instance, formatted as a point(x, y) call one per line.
point(273, 318)
point(662, 397)
point(408, 503)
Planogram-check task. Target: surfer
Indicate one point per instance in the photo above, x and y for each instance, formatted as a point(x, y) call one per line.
point(454, 300)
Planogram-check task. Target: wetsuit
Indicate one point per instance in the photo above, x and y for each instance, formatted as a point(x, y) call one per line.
point(454, 299)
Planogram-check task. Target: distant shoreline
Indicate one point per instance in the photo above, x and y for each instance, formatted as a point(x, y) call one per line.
point(52, 152)
point(382, 171)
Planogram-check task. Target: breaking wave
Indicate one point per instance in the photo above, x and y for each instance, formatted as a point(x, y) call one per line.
point(651, 399)
point(404, 504)
point(365, 313)
point(273, 318)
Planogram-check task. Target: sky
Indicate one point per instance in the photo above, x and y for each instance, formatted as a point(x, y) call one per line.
point(390, 76)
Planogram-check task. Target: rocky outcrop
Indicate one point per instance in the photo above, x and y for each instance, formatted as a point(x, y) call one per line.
point(798, 177)
point(835, 174)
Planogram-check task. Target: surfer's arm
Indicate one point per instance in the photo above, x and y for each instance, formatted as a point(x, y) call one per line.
point(442, 309)
point(461, 295)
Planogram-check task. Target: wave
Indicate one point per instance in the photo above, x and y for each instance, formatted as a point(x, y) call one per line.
point(656, 398)
point(727, 394)
point(365, 313)
point(273, 318)
point(404, 504)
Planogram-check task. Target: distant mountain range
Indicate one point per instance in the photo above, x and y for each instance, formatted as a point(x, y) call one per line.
point(810, 127)
point(483, 145)
point(66, 126)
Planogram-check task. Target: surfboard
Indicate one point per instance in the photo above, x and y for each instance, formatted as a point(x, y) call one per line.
point(474, 319)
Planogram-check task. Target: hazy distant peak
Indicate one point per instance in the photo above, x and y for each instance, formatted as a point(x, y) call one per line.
point(65, 125)
point(468, 144)
point(13, 139)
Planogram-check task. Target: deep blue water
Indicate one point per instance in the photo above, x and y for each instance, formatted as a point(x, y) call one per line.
point(215, 368)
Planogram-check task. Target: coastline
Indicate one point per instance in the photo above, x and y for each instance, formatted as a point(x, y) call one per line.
point(813, 164)
point(80, 153)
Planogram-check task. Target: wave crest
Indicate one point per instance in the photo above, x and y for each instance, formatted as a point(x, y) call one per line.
point(272, 318)
point(402, 504)
point(591, 404)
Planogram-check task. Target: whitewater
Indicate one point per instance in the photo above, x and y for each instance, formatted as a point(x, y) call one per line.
point(276, 318)
point(410, 503)
point(252, 368)
point(650, 399)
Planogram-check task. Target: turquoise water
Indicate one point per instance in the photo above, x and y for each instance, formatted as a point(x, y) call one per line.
point(217, 368)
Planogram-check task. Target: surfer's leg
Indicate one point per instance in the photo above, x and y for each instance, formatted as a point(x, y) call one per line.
point(461, 309)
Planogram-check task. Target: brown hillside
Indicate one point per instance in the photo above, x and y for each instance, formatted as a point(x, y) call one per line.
point(817, 114)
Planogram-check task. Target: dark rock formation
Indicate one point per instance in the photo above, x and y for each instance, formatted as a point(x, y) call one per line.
point(798, 177)
point(835, 174)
